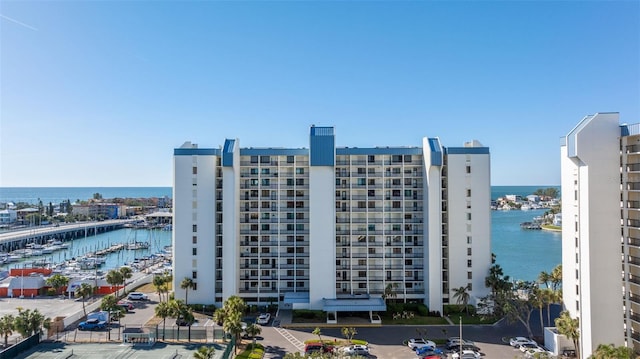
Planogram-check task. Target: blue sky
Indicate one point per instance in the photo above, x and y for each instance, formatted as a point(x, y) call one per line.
point(100, 93)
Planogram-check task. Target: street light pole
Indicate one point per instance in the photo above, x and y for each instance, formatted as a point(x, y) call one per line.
point(460, 347)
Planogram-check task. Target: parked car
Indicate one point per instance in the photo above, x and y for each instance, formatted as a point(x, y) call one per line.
point(126, 305)
point(526, 346)
point(454, 343)
point(530, 353)
point(317, 348)
point(92, 324)
point(137, 296)
point(357, 349)
point(466, 354)
point(419, 343)
point(517, 341)
point(429, 352)
point(264, 318)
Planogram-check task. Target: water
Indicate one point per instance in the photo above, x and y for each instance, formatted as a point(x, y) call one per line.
point(523, 254)
point(157, 239)
point(58, 194)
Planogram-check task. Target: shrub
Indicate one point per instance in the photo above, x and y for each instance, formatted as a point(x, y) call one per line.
point(51, 292)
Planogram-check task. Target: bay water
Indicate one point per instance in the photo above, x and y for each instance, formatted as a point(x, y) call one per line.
point(522, 254)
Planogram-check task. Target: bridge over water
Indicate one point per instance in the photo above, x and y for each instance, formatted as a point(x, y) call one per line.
point(16, 239)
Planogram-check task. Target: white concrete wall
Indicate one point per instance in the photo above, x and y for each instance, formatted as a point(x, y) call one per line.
point(432, 189)
point(460, 227)
point(597, 210)
point(322, 235)
point(231, 226)
point(194, 205)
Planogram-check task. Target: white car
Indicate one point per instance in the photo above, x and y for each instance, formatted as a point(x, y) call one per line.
point(466, 354)
point(356, 349)
point(518, 341)
point(263, 318)
point(530, 353)
point(415, 343)
point(526, 346)
point(137, 296)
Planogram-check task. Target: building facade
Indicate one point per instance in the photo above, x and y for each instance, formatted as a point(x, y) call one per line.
point(297, 227)
point(600, 166)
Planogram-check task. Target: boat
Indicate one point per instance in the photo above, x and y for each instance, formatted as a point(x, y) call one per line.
point(138, 245)
point(530, 225)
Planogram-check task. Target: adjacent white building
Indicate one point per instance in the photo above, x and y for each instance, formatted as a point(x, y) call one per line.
point(319, 227)
point(600, 162)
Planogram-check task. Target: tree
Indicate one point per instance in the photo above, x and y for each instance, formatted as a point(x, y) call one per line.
point(84, 291)
point(57, 281)
point(390, 291)
point(6, 327)
point(462, 297)
point(204, 352)
point(158, 283)
point(609, 351)
point(556, 277)
point(126, 273)
point(114, 277)
point(218, 316)
point(29, 322)
point(318, 332)
point(231, 316)
point(163, 310)
point(570, 328)
point(544, 278)
point(349, 333)
point(518, 304)
point(252, 330)
point(186, 284)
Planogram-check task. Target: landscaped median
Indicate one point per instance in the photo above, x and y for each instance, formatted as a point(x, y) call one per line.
point(252, 351)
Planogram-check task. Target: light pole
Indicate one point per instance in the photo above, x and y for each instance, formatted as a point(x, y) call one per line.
point(460, 347)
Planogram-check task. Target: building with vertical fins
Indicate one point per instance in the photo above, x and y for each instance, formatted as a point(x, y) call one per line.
point(329, 227)
point(600, 163)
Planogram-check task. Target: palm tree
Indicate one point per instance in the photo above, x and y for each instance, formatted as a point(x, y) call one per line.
point(30, 322)
point(252, 330)
point(317, 332)
point(219, 316)
point(604, 351)
point(114, 277)
point(556, 277)
point(462, 297)
point(544, 278)
point(349, 333)
point(127, 273)
point(158, 283)
point(57, 281)
point(204, 352)
point(389, 291)
point(570, 328)
point(233, 325)
point(84, 291)
point(186, 284)
point(6, 328)
point(163, 310)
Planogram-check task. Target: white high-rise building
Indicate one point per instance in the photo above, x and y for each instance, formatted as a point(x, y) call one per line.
point(331, 227)
point(600, 161)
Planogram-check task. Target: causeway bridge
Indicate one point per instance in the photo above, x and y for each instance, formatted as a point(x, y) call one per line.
point(17, 239)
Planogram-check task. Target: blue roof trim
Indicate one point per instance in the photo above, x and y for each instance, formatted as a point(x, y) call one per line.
point(354, 305)
point(467, 150)
point(227, 153)
point(630, 130)
point(436, 151)
point(322, 146)
point(379, 151)
point(196, 152)
point(296, 297)
point(274, 152)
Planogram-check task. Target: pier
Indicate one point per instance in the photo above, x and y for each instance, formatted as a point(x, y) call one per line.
point(18, 239)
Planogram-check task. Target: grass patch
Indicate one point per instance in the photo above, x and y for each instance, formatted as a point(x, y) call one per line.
point(472, 318)
point(252, 351)
point(417, 320)
point(308, 316)
point(551, 227)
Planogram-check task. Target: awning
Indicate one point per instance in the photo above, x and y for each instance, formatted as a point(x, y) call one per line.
point(296, 297)
point(354, 305)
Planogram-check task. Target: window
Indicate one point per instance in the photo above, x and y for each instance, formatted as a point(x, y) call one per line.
point(362, 262)
point(265, 250)
point(194, 251)
point(195, 170)
point(362, 274)
point(194, 239)
point(407, 158)
point(289, 181)
point(469, 263)
point(290, 159)
point(371, 158)
point(299, 170)
point(372, 204)
point(468, 216)
point(254, 159)
point(299, 226)
point(396, 182)
point(265, 159)
point(468, 169)
point(360, 170)
point(396, 204)
point(469, 275)
point(194, 228)
point(361, 181)
point(408, 262)
point(468, 251)
point(254, 171)
point(265, 182)
point(194, 274)
point(299, 181)
point(266, 227)
point(265, 171)
point(371, 193)
point(372, 251)
point(362, 285)
point(299, 215)
point(469, 286)
point(468, 193)
point(372, 182)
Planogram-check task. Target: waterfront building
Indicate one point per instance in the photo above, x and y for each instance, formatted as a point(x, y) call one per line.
point(600, 165)
point(321, 226)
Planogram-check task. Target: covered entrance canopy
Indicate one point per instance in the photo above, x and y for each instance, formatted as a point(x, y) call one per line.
point(355, 304)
